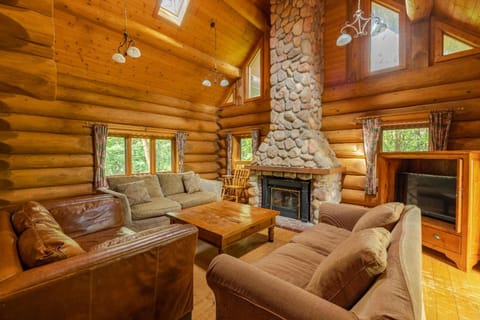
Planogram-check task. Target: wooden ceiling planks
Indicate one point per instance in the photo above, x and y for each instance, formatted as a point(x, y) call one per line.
point(175, 59)
point(464, 12)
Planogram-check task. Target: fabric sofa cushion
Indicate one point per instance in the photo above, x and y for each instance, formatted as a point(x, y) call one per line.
point(293, 262)
point(135, 191)
point(41, 239)
point(151, 183)
point(346, 273)
point(187, 200)
point(158, 207)
point(171, 183)
point(322, 237)
point(384, 215)
point(191, 183)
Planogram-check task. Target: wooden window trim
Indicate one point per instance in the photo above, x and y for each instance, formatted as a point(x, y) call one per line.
point(440, 28)
point(403, 31)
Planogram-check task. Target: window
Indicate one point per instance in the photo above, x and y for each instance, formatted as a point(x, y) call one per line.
point(163, 156)
point(134, 155)
point(405, 139)
point(173, 10)
point(452, 45)
point(115, 158)
point(246, 150)
point(385, 46)
point(254, 76)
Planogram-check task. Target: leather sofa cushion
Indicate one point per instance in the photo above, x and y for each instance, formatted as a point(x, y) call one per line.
point(188, 200)
point(135, 191)
point(347, 273)
point(293, 262)
point(41, 240)
point(151, 183)
point(90, 240)
point(384, 215)
point(323, 238)
point(10, 265)
point(171, 183)
point(157, 207)
point(82, 215)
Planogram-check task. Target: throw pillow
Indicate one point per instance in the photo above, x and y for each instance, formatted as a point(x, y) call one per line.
point(136, 192)
point(171, 183)
point(41, 239)
point(349, 270)
point(191, 183)
point(384, 215)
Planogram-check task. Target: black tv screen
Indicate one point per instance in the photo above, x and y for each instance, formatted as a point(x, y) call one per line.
point(435, 195)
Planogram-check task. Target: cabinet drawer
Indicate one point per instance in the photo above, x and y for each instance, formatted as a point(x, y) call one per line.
point(438, 239)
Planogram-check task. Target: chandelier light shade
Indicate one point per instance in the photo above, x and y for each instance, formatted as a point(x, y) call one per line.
point(359, 27)
point(127, 46)
point(217, 77)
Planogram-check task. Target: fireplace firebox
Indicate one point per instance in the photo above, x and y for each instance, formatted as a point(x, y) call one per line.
point(289, 196)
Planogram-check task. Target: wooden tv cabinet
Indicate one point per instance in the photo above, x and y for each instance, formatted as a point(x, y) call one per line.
point(459, 241)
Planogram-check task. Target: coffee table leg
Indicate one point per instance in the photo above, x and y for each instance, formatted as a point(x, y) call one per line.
point(271, 233)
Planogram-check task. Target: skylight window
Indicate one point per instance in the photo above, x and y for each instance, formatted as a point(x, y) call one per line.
point(173, 10)
point(452, 45)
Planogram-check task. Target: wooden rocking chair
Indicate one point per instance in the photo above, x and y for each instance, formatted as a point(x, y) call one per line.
point(235, 187)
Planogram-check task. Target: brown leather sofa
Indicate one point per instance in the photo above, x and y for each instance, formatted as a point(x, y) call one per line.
point(118, 274)
point(286, 283)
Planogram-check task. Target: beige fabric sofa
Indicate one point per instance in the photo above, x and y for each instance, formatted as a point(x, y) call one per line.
point(310, 277)
point(164, 192)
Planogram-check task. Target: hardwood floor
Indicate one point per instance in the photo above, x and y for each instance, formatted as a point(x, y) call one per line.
point(448, 292)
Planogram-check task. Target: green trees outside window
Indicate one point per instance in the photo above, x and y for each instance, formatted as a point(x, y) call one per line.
point(246, 149)
point(405, 139)
point(115, 158)
point(140, 155)
point(163, 155)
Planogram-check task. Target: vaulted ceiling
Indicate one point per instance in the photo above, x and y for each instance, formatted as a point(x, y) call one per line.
point(175, 59)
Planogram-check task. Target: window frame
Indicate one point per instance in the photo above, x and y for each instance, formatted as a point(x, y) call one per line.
point(439, 29)
point(236, 150)
point(403, 28)
point(128, 152)
point(260, 50)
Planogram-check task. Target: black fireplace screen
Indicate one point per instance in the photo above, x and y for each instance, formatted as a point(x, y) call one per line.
point(289, 196)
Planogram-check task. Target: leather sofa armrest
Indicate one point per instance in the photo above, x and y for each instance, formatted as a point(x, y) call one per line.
point(214, 186)
point(127, 212)
point(340, 215)
point(148, 275)
point(243, 291)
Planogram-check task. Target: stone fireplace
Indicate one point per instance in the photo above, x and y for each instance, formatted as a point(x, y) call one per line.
point(295, 148)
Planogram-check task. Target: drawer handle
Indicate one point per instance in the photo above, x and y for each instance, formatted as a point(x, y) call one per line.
point(436, 236)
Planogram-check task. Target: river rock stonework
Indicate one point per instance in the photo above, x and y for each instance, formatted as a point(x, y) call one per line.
point(296, 78)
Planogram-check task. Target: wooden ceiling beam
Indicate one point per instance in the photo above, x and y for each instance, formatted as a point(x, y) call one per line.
point(418, 9)
point(250, 12)
point(145, 34)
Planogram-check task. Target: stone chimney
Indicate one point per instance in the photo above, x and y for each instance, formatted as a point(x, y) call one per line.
point(296, 78)
point(295, 148)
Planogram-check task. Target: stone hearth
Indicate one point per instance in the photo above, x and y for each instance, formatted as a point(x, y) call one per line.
point(295, 147)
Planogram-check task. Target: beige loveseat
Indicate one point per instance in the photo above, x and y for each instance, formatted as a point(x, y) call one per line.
point(146, 198)
point(348, 266)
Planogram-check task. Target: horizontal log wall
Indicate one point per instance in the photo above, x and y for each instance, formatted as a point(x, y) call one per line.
point(49, 102)
point(395, 96)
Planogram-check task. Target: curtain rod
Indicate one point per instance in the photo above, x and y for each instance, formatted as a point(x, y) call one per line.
point(133, 128)
point(359, 119)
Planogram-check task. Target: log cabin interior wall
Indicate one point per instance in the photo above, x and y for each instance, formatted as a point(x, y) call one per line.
point(422, 85)
point(58, 78)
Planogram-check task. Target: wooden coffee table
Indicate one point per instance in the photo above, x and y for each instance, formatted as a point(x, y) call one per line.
point(224, 222)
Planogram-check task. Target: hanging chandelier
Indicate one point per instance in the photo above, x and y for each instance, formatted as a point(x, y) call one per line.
point(359, 26)
point(217, 78)
point(127, 46)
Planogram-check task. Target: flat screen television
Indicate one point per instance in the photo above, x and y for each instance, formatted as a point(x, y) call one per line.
point(435, 195)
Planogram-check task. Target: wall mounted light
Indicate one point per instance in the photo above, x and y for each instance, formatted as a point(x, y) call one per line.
point(218, 78)
point(359, 26)
point(127, 46)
